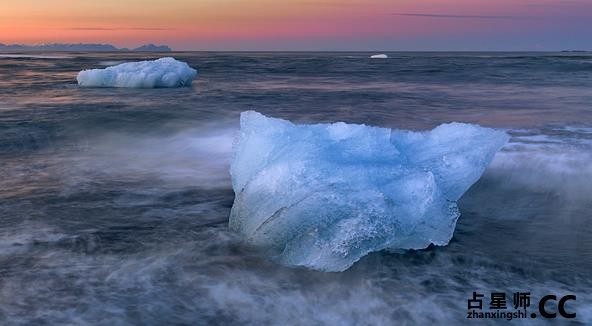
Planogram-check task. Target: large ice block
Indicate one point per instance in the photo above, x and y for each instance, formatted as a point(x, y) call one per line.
point(164, 72)
point(324, 195)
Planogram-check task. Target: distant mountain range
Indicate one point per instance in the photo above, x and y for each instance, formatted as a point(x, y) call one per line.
point(153, 48)
point(79, 47)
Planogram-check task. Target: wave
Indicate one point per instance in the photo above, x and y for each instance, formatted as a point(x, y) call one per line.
point(151, 248)
point(557, 162)
point(552, 159)
point(194, 157)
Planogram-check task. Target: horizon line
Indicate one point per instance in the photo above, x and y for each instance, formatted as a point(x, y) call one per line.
point(34, 47)
point(125, 50)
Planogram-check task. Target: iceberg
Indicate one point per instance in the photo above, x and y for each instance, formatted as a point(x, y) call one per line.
point(379, 56)
point(322, 196)
point(164, 72)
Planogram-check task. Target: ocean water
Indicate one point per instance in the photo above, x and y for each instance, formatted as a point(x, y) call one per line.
point(114, 203)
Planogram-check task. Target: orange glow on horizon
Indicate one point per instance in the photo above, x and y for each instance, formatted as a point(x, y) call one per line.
point(186, 24)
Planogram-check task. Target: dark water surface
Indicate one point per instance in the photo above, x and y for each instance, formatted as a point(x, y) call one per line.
point(114, 202)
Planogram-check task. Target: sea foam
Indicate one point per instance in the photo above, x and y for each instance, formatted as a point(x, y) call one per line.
point(164, 72)
point(322, 196)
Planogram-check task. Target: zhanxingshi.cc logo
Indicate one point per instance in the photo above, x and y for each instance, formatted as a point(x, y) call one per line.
point(518, 306)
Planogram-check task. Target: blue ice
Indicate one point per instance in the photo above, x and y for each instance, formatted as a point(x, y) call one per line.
point(164, 72)
point(322, 196)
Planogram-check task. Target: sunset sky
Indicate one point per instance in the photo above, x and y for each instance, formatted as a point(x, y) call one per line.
point(304, 24)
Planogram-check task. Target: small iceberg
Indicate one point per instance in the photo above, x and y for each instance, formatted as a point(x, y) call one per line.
point(322, 196)
point(164, 72)
point(379, 56)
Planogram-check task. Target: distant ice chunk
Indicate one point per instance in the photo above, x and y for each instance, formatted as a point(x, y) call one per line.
point(164, 72)
point(379, 56)
point(324, 195)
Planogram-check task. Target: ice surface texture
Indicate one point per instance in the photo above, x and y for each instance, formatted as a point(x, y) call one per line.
point(324, 195)
point(164, 72)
